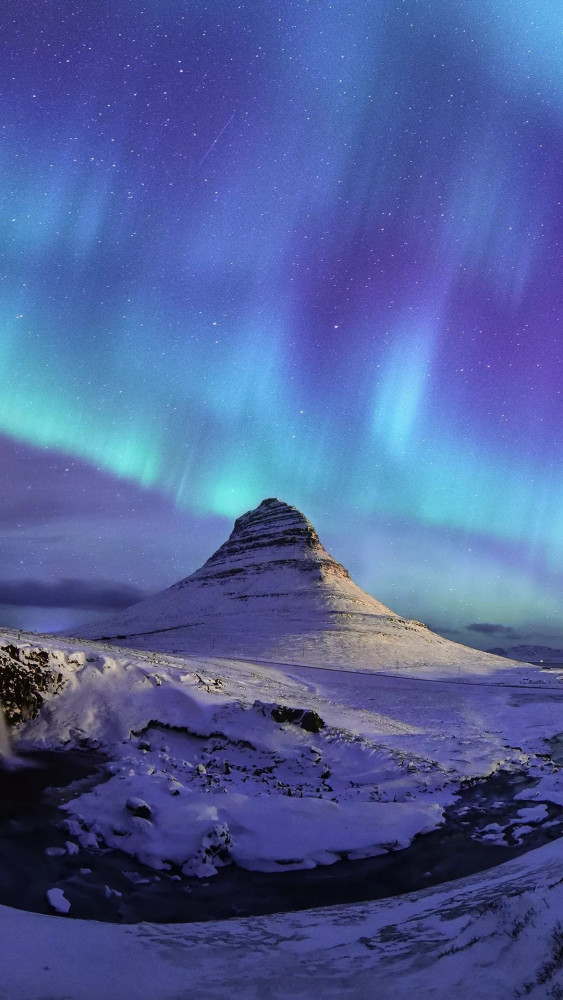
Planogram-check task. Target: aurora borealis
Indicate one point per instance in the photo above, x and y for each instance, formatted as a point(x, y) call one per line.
point(302, 249)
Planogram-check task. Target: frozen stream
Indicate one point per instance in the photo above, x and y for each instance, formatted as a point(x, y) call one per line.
point(481, 831)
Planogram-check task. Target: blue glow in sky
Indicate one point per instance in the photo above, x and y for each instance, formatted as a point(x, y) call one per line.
point(288, 248)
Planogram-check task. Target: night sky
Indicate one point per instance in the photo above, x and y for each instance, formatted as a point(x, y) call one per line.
point(287, 248)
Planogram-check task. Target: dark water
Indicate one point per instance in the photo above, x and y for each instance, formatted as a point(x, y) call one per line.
point(109, 885)
point(556, 748)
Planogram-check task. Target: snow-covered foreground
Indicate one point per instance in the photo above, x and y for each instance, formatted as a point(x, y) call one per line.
point(277, 766)
point(494, 936)
point(274, 767)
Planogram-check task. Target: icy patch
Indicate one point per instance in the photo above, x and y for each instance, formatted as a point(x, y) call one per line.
point(198, 831)
point(58, 900)
point(493, 833)
point(533, 814)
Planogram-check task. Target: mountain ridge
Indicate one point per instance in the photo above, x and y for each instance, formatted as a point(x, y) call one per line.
point(529, 653)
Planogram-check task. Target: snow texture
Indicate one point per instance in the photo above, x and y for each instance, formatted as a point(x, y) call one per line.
point(204, 771)
point(215, 761)
point(498, 935)
point(58, 900)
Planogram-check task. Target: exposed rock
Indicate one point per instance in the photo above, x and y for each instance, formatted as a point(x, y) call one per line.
point(306, 718)
point(138, 807)
point(273, 536)
point(25, 676)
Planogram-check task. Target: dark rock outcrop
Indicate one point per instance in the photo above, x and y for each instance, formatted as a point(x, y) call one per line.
point(25, 677)
point(306, 718)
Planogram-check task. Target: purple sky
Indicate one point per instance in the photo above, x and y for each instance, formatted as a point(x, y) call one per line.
point(284, 249)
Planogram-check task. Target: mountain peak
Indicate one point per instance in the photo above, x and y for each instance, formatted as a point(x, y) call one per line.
point(271, 577)
point(273, 535)
point(272, 568)
point(275, 518)
point(274, 513)
point(272, 591)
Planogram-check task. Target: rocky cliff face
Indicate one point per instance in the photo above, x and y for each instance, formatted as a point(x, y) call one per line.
point(274, 535)
point(268, 542)
point(26, 675)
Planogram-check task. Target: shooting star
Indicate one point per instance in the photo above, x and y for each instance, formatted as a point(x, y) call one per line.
point(216, 139)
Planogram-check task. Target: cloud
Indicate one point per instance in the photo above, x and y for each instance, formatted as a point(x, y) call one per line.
point(444, 629)
point(488, 628)
point(48, 488)
point(98, 595)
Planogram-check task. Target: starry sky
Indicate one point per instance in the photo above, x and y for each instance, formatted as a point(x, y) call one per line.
point(290, 248)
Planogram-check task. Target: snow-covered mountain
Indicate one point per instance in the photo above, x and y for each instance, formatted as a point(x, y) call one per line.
point(272, 560)
point(272, 591)
point(530, 654)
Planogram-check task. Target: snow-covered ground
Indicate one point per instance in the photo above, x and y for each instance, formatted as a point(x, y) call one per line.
point(275, 766)
point(497, 935)
point(187, 738)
